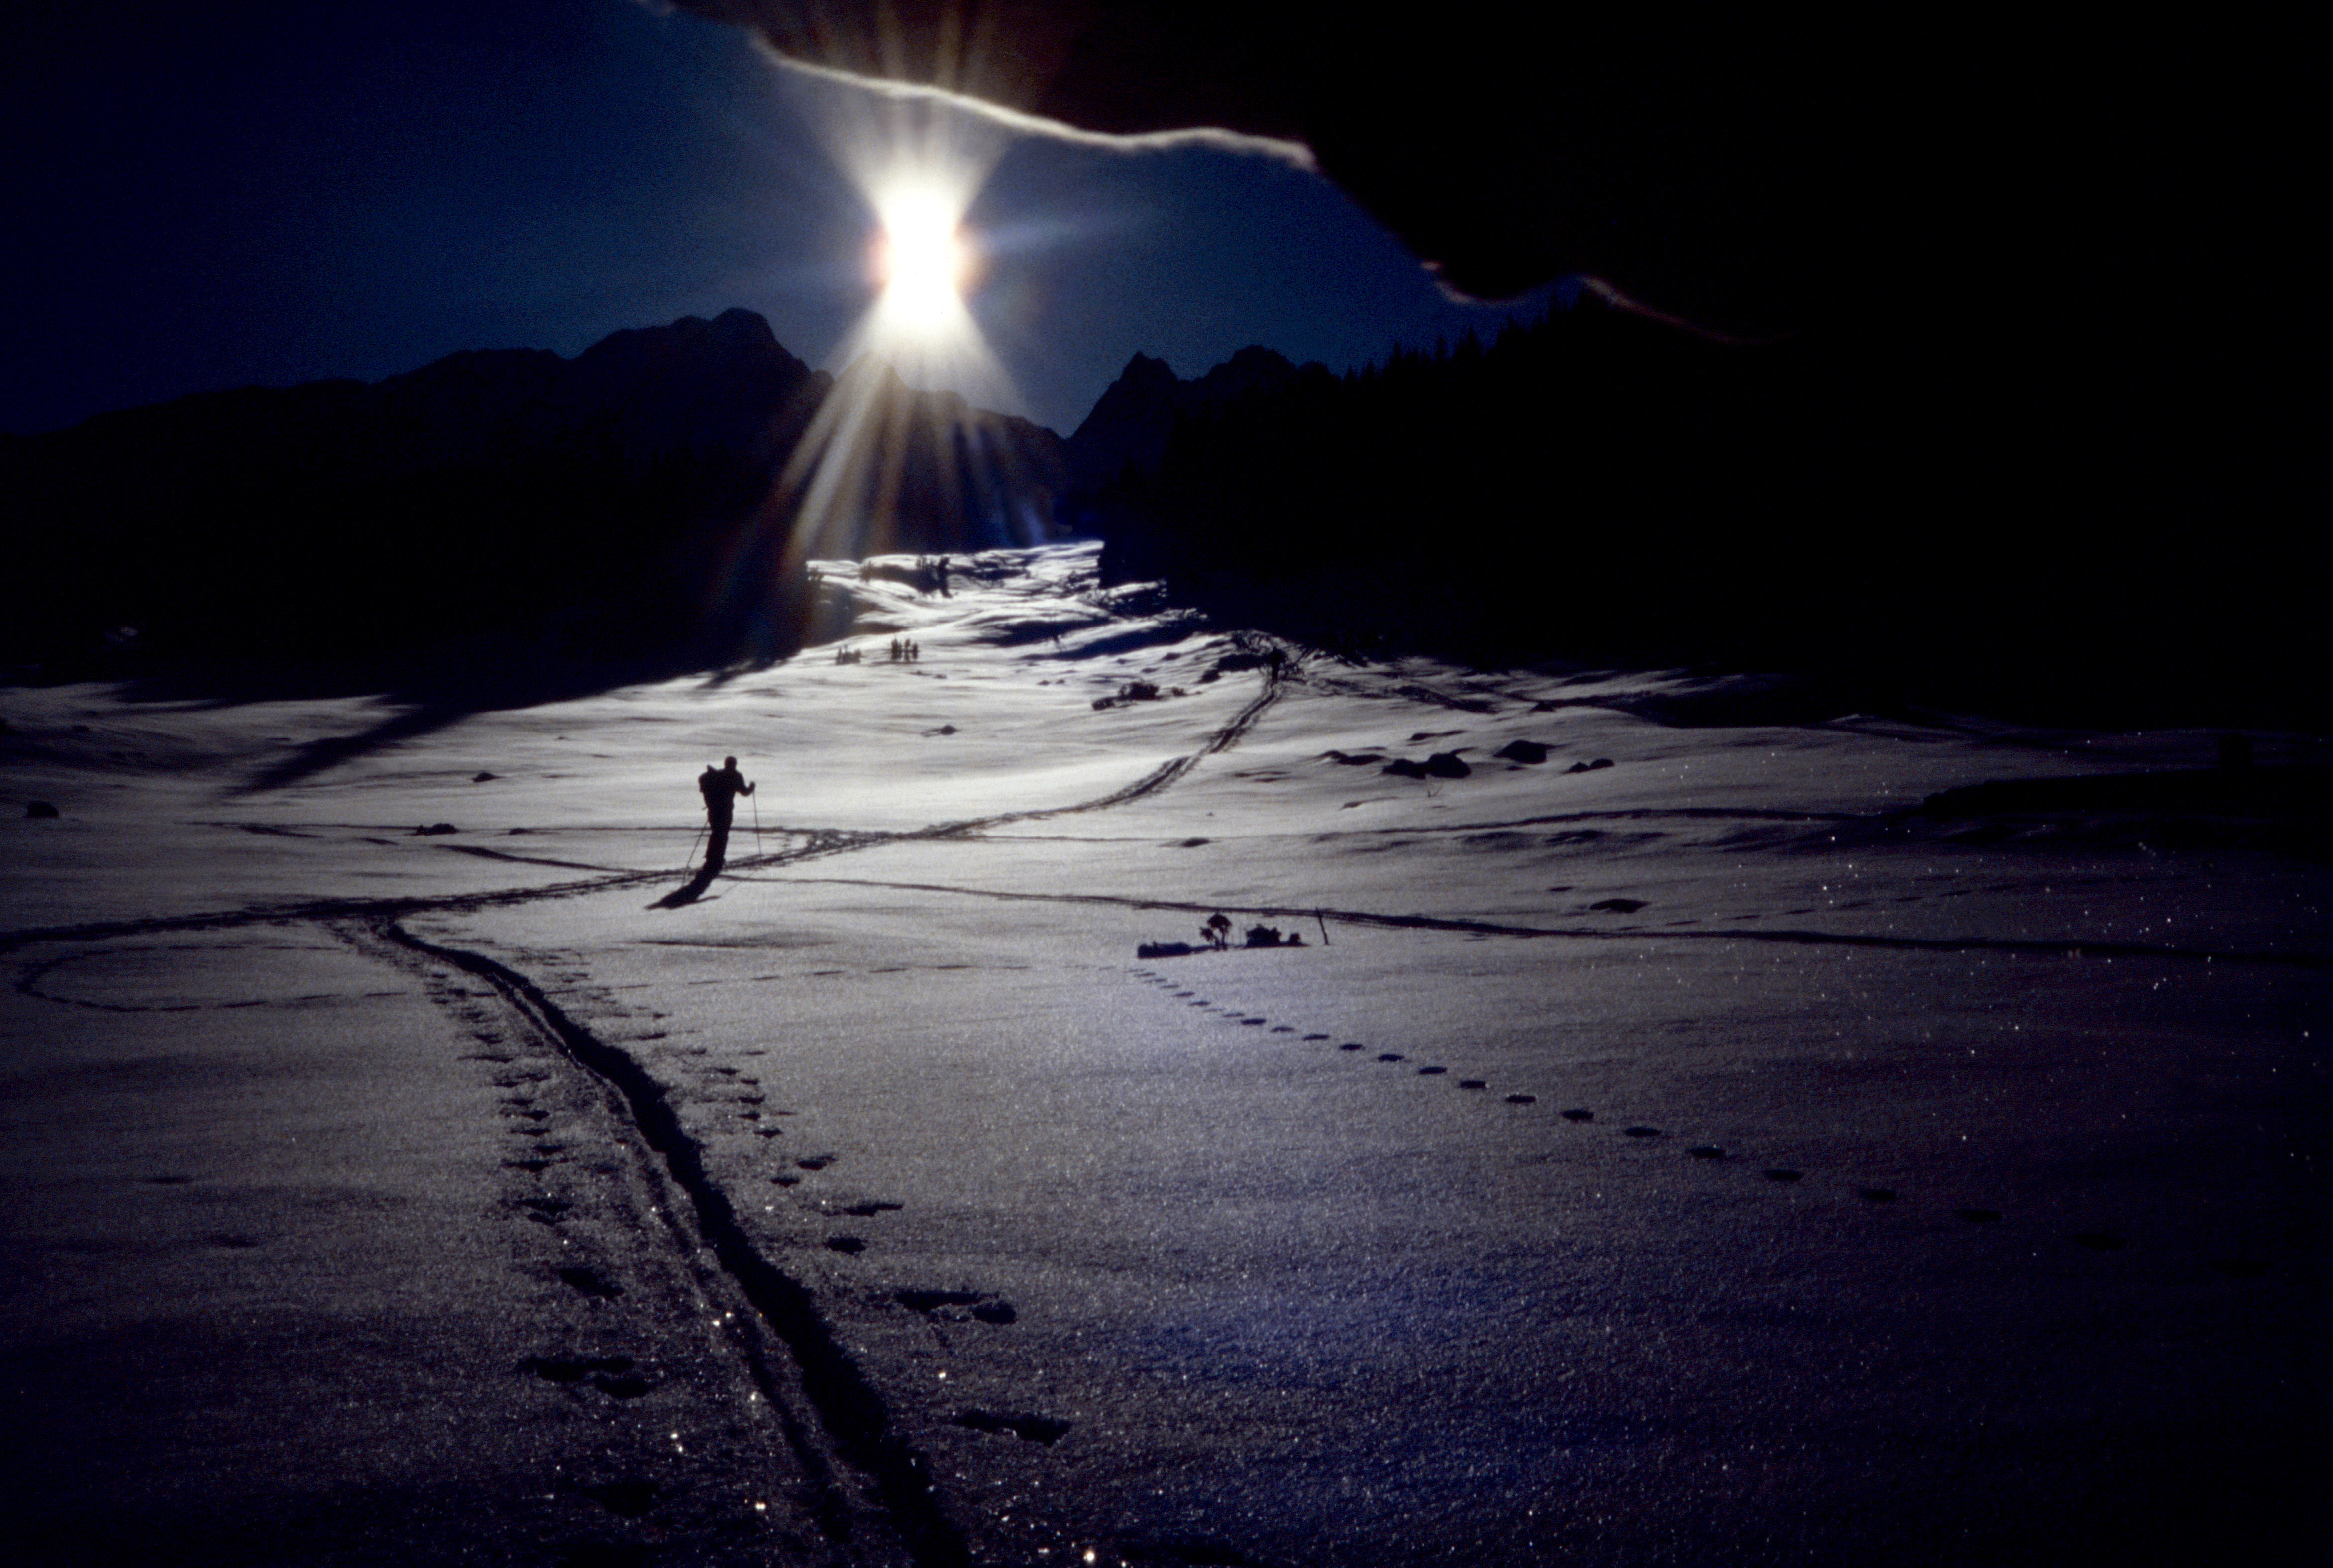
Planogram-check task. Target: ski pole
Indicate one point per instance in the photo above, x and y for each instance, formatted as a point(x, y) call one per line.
point(692, 849)
point(757, 824)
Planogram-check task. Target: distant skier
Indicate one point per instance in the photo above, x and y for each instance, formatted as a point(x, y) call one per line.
point(720, 788)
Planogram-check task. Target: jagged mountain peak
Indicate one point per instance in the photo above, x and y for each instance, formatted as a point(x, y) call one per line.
point(1130, 422)
point(735, 333)
point(624, 485)
point(1144, 370)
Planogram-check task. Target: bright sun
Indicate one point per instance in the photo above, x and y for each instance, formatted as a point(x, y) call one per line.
point(921, 166)
point(921, 260)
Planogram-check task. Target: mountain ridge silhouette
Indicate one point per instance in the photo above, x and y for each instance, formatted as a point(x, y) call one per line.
point(622, 504)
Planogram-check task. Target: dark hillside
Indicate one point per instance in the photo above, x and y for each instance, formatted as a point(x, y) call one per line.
point(1604, 488)
point(623, 505)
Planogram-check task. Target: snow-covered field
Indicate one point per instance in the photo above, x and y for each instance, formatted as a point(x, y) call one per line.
point(1700, 1157)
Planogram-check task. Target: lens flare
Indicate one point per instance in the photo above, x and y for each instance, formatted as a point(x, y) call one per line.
point(899, 453)
point(923, 261)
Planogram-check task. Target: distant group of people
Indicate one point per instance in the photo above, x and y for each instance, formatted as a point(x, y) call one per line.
point(904, 650)
point(721, 785)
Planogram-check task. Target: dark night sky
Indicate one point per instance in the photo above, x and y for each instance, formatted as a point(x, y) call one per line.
point(275, 191)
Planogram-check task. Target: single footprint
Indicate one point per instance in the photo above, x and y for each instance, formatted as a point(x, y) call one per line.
point(851, 1246)
point(1253, 1022)
point(995, 1312)
point(614, 1376)
point(1352, 1045)
point(1706, 1151)
point(589, 1282)
point(873, 1205)
point(1472, 1083)
point(2240, 1267)
point(567, 1371)
point(1432, 1071)
point(1579, 1114)
point(816, 1162)
point(625, 1500)
point(1281, 1029)
point(2098, 1240)
point(1522, 1098)
point(1876, 1194)
point(1978, 1216)
point(931, 1301)
point(1388, 1055)
point(1783, 1173)
point(1316, 1036)
point(1642, 1132)
point(1034, 1429)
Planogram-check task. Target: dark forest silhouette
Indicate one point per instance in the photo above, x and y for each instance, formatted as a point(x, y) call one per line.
point(509, 518)
point(1605, 488)
point(1599, 488)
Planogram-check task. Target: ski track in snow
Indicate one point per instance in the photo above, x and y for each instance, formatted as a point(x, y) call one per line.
point(858, 1433)
point(849, 1410)
point(848, 1407)
point(828, 843)
point(824, 842)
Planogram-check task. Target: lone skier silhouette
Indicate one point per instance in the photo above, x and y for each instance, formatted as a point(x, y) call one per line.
point(720, 788)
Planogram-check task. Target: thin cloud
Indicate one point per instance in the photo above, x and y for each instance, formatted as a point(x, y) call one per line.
point(959, 54)
point(1293, 153)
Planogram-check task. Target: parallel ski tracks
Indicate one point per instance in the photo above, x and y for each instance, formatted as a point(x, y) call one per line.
point(847, 1407)
point(850, 1409)
point(822, 843)
point(825, 843)
point(2038, 946)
